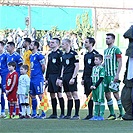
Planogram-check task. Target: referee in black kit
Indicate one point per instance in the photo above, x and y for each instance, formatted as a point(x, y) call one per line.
point(68, 78)
point(53, 71)
point(86, 78)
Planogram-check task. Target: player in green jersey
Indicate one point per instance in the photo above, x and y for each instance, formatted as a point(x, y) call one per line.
point(112, 65)
point(98, 74)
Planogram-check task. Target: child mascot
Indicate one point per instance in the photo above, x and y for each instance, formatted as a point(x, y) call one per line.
point(127, 91)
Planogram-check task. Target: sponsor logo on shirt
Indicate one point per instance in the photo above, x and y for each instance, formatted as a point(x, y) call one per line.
point(108, 57)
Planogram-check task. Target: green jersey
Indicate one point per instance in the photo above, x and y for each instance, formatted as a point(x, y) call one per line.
point(98, 93)
point(97, 72)
point(110, 60)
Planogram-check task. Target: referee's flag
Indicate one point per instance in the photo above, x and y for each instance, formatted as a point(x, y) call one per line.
point(87, 100)
point(44, 105)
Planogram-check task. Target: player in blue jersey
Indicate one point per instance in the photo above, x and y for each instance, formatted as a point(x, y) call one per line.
point(14, 56)
point(37, 61)
point(3, 74)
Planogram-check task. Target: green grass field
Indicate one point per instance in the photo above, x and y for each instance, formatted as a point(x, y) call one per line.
point(65, 126)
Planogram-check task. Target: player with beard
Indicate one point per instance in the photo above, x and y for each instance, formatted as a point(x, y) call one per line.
point(37, 61)
point(27, 53)
point(112, 65)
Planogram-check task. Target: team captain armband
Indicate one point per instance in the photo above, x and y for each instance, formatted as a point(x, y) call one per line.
point(118, 55)
point(42, 61)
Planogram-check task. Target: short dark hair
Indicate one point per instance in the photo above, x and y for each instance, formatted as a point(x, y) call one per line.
point(2, 43)
point(91, 40)
point(27, 40)
point(26, 67)
point(111, 34)
point(57, 39)
point(12, 63)
point(36, 43)
point(99, 56)
point(11, 44)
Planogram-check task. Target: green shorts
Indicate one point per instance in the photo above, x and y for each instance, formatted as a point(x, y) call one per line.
point(98, 94)
point(107, 81)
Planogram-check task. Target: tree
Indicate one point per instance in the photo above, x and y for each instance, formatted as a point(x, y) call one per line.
point(83, 27)
point(54, 30)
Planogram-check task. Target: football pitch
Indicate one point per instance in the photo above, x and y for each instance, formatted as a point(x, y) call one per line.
point(65, 126)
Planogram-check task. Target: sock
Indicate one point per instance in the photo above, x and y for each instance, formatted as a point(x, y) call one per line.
point(132, 109)
point(8, 106)
point(54, 106)
point(17, 108)
point(102, 108)
point(90, 107)
point(11, 109)
point(20, 109)
point(69, 107)
point(77, 106)
point(34, 105)
point(14, 110)
point(2, 103)
point(61, 101)
point(0, 108)
point(120, 107)
point(97, 109)
point(23, 110)
point(28, 110)
point(132, 99)
point(110, 106)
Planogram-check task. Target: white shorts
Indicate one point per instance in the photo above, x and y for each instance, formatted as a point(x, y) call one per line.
point(22, 99)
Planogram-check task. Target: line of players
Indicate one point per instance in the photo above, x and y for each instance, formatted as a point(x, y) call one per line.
point(61, 73)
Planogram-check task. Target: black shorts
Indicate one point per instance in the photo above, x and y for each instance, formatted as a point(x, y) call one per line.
point(67, 87)
point(87, 85)
point(52, 87)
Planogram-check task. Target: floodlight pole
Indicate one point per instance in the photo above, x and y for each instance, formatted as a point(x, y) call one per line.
point(29, 15)
point(95, 27)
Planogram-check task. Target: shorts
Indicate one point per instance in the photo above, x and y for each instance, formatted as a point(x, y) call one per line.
point(22, 99)
point(12, 97)
point(52, 87)
point(67, 87)
point(98, 94)
point(36, 87)
point(107, 81)
point(87, 85)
